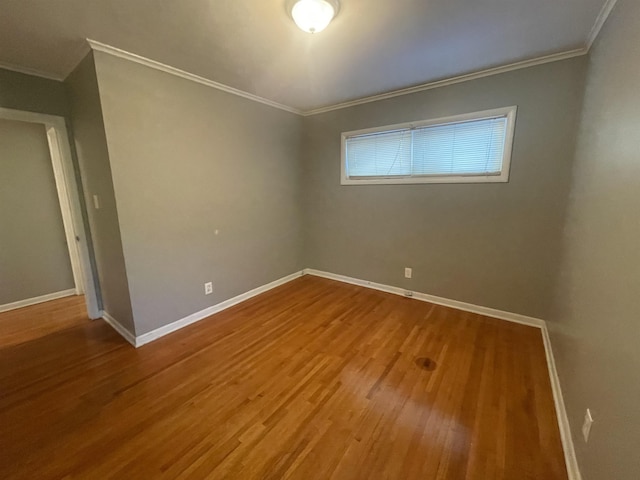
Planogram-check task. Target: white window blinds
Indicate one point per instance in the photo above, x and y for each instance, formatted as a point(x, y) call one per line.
point(471, 146)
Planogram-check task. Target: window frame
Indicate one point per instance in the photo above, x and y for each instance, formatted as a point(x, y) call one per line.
point(509, 112)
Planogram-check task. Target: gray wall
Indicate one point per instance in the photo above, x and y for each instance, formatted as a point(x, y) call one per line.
point(595, 329)
point(188, 160)
point(495, 245)
point(34, 258)
point(93, 160)
point(34, 94)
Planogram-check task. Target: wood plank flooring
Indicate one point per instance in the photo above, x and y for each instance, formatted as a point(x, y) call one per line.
point(313, 380)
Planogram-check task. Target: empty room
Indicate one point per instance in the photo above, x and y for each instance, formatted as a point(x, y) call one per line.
point(320, 239)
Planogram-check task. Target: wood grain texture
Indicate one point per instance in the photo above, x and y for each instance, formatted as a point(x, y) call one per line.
point(313, 380)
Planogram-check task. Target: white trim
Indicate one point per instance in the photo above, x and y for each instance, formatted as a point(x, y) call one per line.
point(570, 459)
point(132, 57)
point(102, 47)
point(453, 80)
point(506, 112)
point(95, 45)
point(31, 71)
point(35, 300)
point(561, 413)
point(425, 297)
point(207, 312)
point(30, 117)
point(606, 10)
point(65, 208)
point(117, 326)
point(68, 196)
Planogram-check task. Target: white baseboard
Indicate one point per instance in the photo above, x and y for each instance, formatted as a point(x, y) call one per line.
point(570, 458)
point(425, 297)
point(117, 326)
point(207, 312)
point(35, 300)
point(561, 413)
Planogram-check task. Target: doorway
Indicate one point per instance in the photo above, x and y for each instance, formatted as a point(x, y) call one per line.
point(63, 263)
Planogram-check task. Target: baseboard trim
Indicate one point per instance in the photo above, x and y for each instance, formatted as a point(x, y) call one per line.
point(35, 300)
point(117, 326)
point(207, 312)
point(561, 413)
point(425, 297)
point(570, 458)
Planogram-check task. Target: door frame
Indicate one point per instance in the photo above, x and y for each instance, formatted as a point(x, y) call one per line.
point(69, 198)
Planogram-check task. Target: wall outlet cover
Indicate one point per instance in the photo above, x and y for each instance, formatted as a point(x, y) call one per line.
point(408, 272)
point(208, 288)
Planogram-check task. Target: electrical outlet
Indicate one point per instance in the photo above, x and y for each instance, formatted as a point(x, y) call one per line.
point(96, 202)
point(586, 425)
point(408, 272)
point(208, 288)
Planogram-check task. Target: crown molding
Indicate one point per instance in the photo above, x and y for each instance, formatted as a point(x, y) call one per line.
point(452, 80)
point(116, 52)
point(606, 10)
point(31, 71)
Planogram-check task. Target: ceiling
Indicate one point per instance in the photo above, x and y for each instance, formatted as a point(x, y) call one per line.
point(373, 46)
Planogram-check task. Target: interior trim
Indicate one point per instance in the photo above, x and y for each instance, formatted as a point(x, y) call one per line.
point(425, 297)
point(35, 300)
point(570, 459)
point(138, 341)
point(452, 80)
point(606, 10)
point(103, 47)
point(108, 49)
point(118, 327)
point(561, 413)
point(573, 472)
point(116, 52)
point(69, 199)
point(30, 71)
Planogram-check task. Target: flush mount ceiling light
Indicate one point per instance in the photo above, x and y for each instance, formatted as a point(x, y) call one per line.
point(313, 16)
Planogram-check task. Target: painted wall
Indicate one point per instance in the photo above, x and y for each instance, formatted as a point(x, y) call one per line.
point(34, 258)
point(93, 161)
point(207, 187)
point(34, 94)
point(595, 328)
point(495, 245)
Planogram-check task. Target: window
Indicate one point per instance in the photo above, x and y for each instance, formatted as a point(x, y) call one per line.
point(469, 148)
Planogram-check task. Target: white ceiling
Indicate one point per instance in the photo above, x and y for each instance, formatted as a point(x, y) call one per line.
point(373, 46)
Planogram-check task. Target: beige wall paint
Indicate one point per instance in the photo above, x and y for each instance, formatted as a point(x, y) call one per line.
point(34, 259)
point(595, 328)
point(93, 160)
point(495, 245)
point(188, 160)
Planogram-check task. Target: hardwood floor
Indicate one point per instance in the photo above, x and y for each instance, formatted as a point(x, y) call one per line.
point(313, 380)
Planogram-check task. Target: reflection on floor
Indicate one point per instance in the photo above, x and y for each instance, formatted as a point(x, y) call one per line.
point(312, 380)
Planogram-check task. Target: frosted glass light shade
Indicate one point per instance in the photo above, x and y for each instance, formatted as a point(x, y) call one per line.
point(313, 16)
